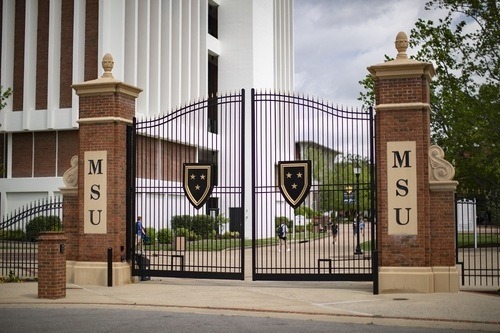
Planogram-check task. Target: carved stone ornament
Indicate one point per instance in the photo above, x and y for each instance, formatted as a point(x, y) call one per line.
point(107, 65)
point(439, 168)
point(70, 177)
point(401, 45)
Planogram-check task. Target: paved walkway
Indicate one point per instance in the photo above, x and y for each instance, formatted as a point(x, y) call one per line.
point(329, 301)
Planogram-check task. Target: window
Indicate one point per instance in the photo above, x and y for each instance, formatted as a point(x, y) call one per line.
point(209, 156)
point(212, 20)
point(212, 93)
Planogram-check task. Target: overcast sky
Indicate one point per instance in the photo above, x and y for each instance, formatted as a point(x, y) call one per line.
point(336, 40)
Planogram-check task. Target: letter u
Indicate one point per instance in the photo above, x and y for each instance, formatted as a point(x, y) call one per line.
point(398, 216)
point(92, 217)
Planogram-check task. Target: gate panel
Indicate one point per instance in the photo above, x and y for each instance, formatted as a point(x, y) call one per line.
point(185, 241)
point(339, 145)
point(478, 237)
point(18, 236)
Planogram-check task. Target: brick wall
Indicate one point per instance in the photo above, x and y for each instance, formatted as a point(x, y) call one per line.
point(22, 149)
point(91, 31)
point(67, 148)
point(442, 211)
point(73, 226)
point(34, 153)
point(403, 125)
point(42, 55)
point(17, 104)
point(111, 137)
point(3, 154)
point(66, 75)
point(51, 265)
point(172, 156)
point(44, 154)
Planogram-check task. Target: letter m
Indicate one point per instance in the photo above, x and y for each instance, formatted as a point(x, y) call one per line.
point(95, 167)
point(401, 161)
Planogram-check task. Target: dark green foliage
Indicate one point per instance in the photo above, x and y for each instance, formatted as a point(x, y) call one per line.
point(231, 235)
point(307, 212)
point(185, 232)
point(151, 232)
point(465, 98)
point(195, 227)
point(181, 221)
point(300, 228)
point(463, 45)
point(42, 223)
point(165, 236)
point(12, 235)
point(283, 219)
point(203, 225)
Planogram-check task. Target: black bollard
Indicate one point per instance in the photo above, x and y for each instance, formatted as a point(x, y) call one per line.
point(110, 267)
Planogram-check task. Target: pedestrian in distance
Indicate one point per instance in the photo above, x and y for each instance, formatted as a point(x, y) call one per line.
point(335, 232)
point(139, 234)
point(281, 232)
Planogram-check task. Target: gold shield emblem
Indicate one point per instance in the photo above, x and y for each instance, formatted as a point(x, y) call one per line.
point(294, 181)
point(198, 182)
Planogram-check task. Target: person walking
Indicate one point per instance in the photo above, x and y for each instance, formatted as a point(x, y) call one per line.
point(282, 232)
point(335, 232)
point(139, 232)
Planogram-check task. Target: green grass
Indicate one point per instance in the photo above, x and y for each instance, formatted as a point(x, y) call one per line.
point(224, 244)
point(464, 240)
point(467, 240)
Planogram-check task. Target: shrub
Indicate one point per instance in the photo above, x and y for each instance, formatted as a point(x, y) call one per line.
point(181, 221)
point(231, 234)
point(12, 235)
point(279, 219)
point(307, 212)
point(151, 232)
point(42, 223)
point(203, 225)
point(213, 234)
point(165, 236)
point(185, 232)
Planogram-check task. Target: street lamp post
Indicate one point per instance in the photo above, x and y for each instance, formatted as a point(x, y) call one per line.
point(357, 172)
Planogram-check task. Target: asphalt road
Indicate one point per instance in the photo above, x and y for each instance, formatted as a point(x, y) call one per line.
point(137, 319)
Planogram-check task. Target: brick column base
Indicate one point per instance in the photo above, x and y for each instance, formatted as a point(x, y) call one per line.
point(51, 265)
point(415, 201)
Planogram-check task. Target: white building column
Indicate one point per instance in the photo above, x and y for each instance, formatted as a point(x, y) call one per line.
point(54, 69)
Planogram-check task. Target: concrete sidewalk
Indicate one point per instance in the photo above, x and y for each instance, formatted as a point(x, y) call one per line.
point(330, 301)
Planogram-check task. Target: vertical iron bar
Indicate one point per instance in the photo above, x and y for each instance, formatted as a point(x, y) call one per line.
point(110, 267)
point(374, 214)
point(242, 181)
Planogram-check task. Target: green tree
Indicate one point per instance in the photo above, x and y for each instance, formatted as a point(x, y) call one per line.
point(3, 98)
point(42, 223)
point(337, 177)
point(465, 94)
point(465, 98)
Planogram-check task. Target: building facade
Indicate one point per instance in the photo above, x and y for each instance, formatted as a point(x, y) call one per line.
point(177, 51)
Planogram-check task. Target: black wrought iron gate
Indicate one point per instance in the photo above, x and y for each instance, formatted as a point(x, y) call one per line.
point(205, 240)
point(336, 145)
point(331, 235)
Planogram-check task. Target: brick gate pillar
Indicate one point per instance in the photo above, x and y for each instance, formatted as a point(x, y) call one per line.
point(415, 213)
point(97, 196)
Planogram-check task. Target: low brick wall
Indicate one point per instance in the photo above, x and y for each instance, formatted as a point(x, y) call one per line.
point(51, 265)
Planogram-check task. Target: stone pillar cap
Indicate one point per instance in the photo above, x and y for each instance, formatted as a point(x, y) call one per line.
point(106, 84)
point(402, 66)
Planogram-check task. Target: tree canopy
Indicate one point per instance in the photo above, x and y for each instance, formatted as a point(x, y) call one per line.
point(3, 96)
point(465, 96)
